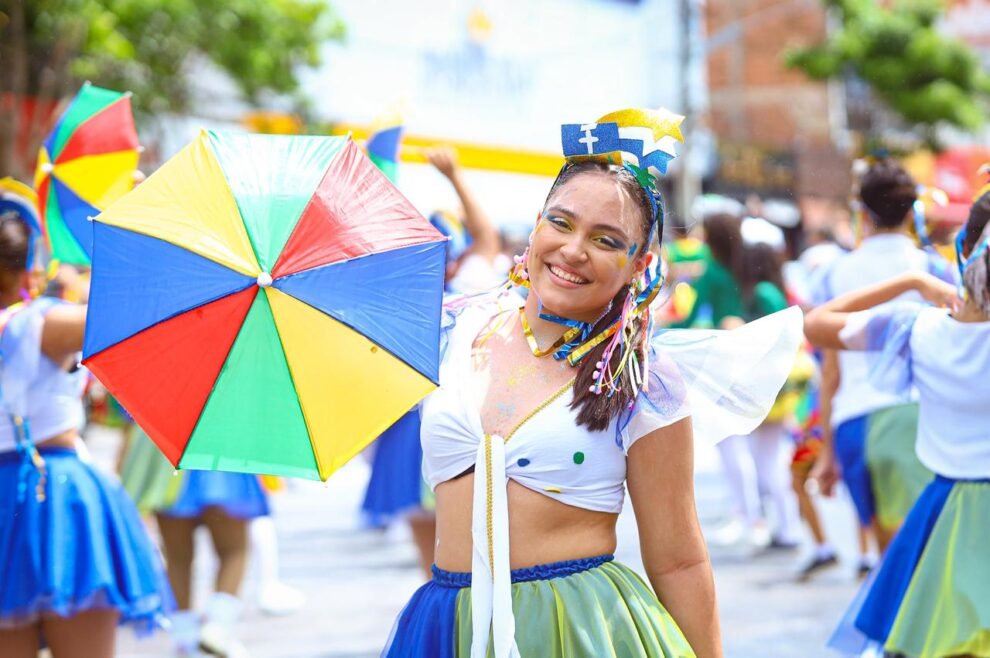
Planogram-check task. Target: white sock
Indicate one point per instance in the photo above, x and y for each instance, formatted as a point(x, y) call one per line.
point(223, 609)
point(824, 551)
point(264, 549)
point(184, 629)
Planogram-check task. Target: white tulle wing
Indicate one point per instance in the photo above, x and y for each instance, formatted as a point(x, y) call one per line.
point(726, 381)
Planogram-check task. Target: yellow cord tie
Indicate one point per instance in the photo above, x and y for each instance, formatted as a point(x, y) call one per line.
point(534, 347)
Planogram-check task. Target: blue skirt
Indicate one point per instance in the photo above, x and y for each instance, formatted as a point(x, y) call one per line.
point(83, 547)
point(396, 485)
point(239, 495)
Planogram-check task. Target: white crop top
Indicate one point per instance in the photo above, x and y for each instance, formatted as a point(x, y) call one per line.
point(725, 380)
point(913, 345)
point(44, 395)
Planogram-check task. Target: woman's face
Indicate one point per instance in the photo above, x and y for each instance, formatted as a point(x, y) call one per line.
point(586, 246)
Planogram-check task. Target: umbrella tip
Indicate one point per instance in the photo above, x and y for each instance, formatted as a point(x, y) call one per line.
point(48, 167)
point(264, 280)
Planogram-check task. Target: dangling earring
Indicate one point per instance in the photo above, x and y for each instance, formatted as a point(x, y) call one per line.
point(519, 274)
point(634, 306)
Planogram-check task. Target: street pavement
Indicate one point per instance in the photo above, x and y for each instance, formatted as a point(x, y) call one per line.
point(356, 580)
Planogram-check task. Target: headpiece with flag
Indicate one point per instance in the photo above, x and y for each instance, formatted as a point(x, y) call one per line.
point(87, 163)
point(17, 197)
point(643, 140)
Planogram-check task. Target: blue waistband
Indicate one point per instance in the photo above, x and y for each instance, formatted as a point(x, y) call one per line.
point(460, 579)
point(948, 480)
point(15, 456)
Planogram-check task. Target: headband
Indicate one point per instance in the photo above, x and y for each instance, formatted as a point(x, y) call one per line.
point(984, 244)
point(17, 197)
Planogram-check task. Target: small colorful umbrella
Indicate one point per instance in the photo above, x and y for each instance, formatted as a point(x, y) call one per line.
point(265, 304)
point(87, 163)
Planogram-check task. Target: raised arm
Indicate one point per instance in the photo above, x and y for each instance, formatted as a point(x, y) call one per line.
point(484, 235)
point(823, 324)
point(63, 332)
point(660, 478)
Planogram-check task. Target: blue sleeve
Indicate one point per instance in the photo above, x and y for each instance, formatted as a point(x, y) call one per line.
point(820, 284)
point(941, 268)
point(885, 332)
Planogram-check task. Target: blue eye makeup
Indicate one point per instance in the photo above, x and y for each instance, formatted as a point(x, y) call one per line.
point(611, 243)
point(604, 240)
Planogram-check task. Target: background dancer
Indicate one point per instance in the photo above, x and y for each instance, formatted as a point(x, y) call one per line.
point(77, 559)
point(931, 595)
point(223, 503)
point(873, 431)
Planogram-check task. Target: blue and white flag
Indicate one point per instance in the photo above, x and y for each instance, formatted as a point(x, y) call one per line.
point(615, 144)
point(584, 139)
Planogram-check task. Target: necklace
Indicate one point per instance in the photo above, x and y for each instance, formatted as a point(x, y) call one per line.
point(534, 347)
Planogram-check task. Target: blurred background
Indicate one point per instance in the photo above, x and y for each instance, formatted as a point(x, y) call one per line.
point(781, 98)
point(780, 95)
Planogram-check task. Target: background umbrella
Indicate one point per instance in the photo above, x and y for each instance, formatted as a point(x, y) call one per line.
point(265, 304)
point(87, 163)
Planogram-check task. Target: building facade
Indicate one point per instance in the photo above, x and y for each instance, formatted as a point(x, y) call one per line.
point(779, 133)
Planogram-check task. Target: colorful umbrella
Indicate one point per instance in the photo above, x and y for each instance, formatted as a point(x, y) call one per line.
point(87, 163)
point(265, 304)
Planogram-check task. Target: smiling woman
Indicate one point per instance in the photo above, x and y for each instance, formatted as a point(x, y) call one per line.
point(589, 248)
point(530, 456)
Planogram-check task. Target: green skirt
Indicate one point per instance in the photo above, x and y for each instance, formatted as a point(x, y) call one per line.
point(930, 597)
point(147, 476)
point(593, 608)
point(897, 475)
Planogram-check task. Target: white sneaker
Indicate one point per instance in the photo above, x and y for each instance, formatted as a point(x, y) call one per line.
point(279, 599)
point(758, 536)
point(218, 640)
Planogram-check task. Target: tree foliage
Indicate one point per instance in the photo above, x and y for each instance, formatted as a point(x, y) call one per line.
point(895, 47)
point(155, 48)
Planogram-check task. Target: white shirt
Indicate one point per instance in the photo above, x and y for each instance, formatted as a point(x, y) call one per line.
point(48, 398)
point(947, 361)
point(878, 258)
